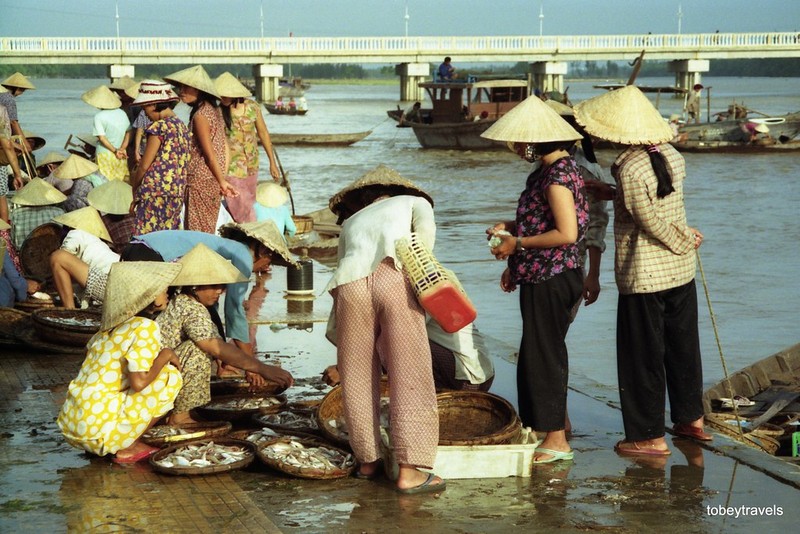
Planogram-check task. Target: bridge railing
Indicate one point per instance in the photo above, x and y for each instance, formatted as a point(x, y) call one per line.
point(55, 46)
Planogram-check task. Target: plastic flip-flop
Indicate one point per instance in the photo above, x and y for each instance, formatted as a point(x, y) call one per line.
point(425, 487)
point(555, 456)
point(135, 458)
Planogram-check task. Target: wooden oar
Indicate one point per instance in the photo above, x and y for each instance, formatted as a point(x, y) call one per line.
point(285, 177)
point(637, 65)
point(781, 401)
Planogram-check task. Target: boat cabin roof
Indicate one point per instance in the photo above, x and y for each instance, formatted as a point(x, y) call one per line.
point(466, 101)
point(481, 84)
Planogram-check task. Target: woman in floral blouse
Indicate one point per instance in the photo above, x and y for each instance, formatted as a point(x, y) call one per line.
point(245, 127)
point(159, 181)
point(544, 258)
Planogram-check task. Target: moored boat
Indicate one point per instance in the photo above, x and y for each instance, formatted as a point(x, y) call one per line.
point(334, 139)
point(462, 111)
point(284, 110)
point(730, 135)
point(738, 147)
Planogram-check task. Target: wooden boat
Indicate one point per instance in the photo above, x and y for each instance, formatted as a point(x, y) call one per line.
point(462, 111)
point(737, 147)
point(729, 135)
point(772, 385)
point(337, 139)
point(396, 114)
point(284, 110)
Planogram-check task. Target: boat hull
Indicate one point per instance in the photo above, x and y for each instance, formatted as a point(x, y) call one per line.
point(272, 110)
point(782, 129)
point(736, 147)
point(342, 139)
point(456, 136)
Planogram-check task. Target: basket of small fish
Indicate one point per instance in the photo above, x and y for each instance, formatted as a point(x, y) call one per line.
point(236, 407)
point(204, 457)
point(71, 327)
point(238, 385)
point(305, 458)
point(289, 422)
point(161, 435)
point(330, 415)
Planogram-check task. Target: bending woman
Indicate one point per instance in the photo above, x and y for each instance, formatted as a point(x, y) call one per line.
point(187, 327)
point(379, 321)
point(125, 383)
point(544, 260)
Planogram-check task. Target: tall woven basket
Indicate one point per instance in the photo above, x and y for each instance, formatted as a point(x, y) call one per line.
point(438, 290)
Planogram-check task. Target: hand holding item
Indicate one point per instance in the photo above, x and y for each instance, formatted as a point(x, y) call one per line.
point(505, 281)
point(255, 379)
point(698, 237)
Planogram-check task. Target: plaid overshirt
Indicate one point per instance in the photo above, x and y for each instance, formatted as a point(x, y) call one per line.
point(654, 246)
point(25, 219)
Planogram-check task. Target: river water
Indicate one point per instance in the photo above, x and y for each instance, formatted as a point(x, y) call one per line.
point(746, 206)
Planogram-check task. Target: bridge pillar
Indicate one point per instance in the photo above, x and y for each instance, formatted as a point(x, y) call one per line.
point(410, 75)
point(267, 77)
point(688, 71)
point(115, 72)
point(548, 76)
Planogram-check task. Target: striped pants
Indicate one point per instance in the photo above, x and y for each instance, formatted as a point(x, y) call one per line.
point(379, 321)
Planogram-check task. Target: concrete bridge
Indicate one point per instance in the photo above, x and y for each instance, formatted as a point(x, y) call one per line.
point(689, 54)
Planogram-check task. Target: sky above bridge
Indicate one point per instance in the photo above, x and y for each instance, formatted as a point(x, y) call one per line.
point(348, 18)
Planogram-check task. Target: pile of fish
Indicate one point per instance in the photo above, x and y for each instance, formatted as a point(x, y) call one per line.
point(338, 426)
point(290, 420)
point(164, 431)
point(292, 452)
point(205, 455)
point(244, 403)
point(262, 436)
point(71, 321)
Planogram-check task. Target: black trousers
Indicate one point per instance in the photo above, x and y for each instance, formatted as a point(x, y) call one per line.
point(658, 351)
point(542, 368)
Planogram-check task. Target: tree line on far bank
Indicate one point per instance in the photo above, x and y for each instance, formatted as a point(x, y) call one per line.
point(780, 67)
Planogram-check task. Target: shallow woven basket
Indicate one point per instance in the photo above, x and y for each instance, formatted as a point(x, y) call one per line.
point(45, 322)
point(33, 304)
point(310, 426)
point(332, 407)
point(304, 223)
point(211, 413)
point(204, 470)
point(240, 386)
point(34, 254)
point(476, 418)
point(306, 472)
point(757, 439)
point(194, 431)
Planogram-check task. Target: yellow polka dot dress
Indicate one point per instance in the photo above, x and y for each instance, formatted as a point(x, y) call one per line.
point(101, 413)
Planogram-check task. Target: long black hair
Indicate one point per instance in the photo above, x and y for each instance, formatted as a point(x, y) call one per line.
point(202, 97)
point(661, 170)
point(226, 112)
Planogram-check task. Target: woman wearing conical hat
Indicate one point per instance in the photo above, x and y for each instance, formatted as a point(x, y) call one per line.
point(245, 128)
point(542, 246)
point(187, 327)
point(128, 381)
point(208, 165)
point(113, 131)
point(14, 86)
point(658, 347)
point(76, 177)
point(7, 157)
point(36, 204)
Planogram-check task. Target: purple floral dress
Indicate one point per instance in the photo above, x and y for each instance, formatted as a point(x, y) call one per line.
point(159, 198)
point(535, 217)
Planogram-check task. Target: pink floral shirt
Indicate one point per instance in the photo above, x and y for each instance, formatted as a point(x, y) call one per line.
point(535, 217)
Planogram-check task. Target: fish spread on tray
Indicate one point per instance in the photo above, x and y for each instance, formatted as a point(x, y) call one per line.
point(244, 403)
point(296, 454)
point(262, 436)
point(70, 321)
point(289, 420)
point(205, 455)
point(163, 431)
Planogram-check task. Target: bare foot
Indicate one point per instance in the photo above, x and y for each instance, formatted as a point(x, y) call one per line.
point(411, 477)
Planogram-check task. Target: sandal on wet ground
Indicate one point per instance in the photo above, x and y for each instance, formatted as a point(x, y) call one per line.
point(686, 430)
point(425, 487)
point(555, 456)
point(138, 457)
point(636, 449)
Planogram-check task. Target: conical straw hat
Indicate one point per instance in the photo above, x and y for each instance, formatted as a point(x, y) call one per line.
point(202, 266)
point(18, 80)
point(36, 141)
point(101, 97)
point(561, 109)
point(114, 197)
point(86, 219)
point(132, 286)
point(380, 175)
point(532, 121)
point(196, 77)
point(37, 192)
point(121, 84)
point(227, 85)
point(3, 89)
point(271, 195)
point(133, 90)
point(75, 167)
point(51, 157)
point(265, 232)
point(623, 116)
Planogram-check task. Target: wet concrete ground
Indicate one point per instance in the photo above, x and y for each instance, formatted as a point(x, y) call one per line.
point(48, 486)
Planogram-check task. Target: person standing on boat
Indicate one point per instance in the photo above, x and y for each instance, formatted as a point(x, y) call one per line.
point(542, 246)
point(658, 346)
point(693, 103)
point(446, 71)
point(206, 180)
point(245, 128)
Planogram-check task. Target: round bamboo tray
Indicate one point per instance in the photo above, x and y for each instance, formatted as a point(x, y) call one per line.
point(47, 325)
point(33, 304)
point(309, 472)
point(306, 422)
point(332, 408)
point(476, 418)
point(756, 439)
point(214, 410)
point(193, 470)
point(34, 254)
point(194, 431)
point(240, 386)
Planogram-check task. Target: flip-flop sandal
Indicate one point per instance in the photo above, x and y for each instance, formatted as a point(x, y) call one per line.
point(425, 487)
point(555, 456)
point(636, 450)
point(135, 458)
